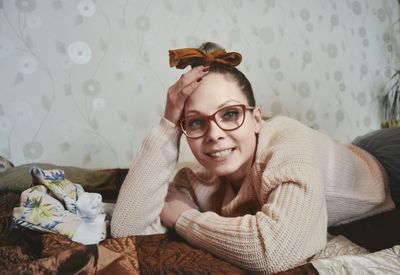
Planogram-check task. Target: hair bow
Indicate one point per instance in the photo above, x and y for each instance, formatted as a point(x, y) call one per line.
point(180, 58)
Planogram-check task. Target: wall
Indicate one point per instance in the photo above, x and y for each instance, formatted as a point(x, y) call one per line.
point(82, 82)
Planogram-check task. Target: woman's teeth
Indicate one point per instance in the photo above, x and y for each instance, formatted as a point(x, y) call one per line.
point(221, 154)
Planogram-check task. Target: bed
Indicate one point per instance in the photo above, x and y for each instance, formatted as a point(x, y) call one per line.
point(371, 244)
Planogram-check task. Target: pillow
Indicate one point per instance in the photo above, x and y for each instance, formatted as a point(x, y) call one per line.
point(5, 164)
point(373, 233)
point(19, 178)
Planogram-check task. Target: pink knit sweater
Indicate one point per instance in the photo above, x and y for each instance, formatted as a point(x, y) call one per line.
point(301, 182)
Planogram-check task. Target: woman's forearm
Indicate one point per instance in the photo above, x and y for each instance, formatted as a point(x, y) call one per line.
point(143, 192)
point(290, 228)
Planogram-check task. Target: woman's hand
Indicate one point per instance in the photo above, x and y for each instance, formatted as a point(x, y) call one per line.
point(176, 203)
point(181, 90)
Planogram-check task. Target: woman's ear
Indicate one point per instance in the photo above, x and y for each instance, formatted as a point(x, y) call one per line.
point(257, 116)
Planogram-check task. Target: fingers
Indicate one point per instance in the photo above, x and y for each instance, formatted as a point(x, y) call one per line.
point(181, 90)
point(188, 90)
point(191, 77)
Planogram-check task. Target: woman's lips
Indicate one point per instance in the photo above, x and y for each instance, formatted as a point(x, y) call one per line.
point(221, 154)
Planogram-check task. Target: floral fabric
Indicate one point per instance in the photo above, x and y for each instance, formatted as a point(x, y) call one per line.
point(55, 204)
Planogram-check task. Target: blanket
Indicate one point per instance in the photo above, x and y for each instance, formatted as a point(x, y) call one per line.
point(32, 252)
point(23, 251)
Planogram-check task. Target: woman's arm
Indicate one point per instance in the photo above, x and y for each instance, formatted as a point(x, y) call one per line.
point(141, 197)
point(290, 227)
point(142, 194)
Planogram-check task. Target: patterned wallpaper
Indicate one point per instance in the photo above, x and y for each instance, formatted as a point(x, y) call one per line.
point(83, 81)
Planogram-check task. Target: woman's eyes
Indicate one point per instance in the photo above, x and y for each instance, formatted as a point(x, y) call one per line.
point(230, 115)
point(196, 123)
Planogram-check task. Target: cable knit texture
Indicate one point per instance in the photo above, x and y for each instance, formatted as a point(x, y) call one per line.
point(301, 182)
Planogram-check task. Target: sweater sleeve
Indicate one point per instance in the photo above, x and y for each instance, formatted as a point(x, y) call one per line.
point(290, 228)
point(142, 194)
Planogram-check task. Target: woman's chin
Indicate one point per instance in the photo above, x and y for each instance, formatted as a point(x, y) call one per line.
point(222, 170)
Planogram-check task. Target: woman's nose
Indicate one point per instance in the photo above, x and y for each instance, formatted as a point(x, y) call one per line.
point(214, 131)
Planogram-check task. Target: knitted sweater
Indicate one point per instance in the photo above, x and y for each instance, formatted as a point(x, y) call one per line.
point(301, 182)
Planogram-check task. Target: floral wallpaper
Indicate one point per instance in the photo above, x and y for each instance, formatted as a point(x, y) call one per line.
point(83, 81)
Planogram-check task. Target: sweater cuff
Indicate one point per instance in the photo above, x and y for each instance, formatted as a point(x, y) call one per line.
point(184, 220)
point(168, 128)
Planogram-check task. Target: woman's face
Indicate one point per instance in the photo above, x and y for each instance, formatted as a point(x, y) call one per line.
point(225, 153)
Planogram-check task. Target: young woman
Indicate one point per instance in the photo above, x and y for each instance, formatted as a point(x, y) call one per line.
point(265, 191)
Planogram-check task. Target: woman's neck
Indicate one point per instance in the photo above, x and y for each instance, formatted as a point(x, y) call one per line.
point(236, 179)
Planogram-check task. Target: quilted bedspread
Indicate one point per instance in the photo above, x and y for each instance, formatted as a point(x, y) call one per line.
point(24, 251)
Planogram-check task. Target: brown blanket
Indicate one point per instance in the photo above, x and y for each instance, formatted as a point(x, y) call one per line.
point(30, 252)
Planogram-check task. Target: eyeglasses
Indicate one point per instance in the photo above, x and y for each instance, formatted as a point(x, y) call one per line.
point(228, 119)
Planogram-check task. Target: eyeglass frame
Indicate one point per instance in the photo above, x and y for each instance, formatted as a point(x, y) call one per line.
point(208, 119)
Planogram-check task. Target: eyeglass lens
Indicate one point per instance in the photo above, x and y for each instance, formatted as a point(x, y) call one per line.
point(228, 118)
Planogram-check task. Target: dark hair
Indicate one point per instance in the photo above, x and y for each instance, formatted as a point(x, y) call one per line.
point(231, 71)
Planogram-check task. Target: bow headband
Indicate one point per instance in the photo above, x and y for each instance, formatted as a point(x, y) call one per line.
point(180, 58)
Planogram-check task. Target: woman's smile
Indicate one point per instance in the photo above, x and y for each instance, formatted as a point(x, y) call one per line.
point(221, 154)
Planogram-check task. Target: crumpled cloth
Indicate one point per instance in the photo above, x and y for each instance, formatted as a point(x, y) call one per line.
point(55, 204)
